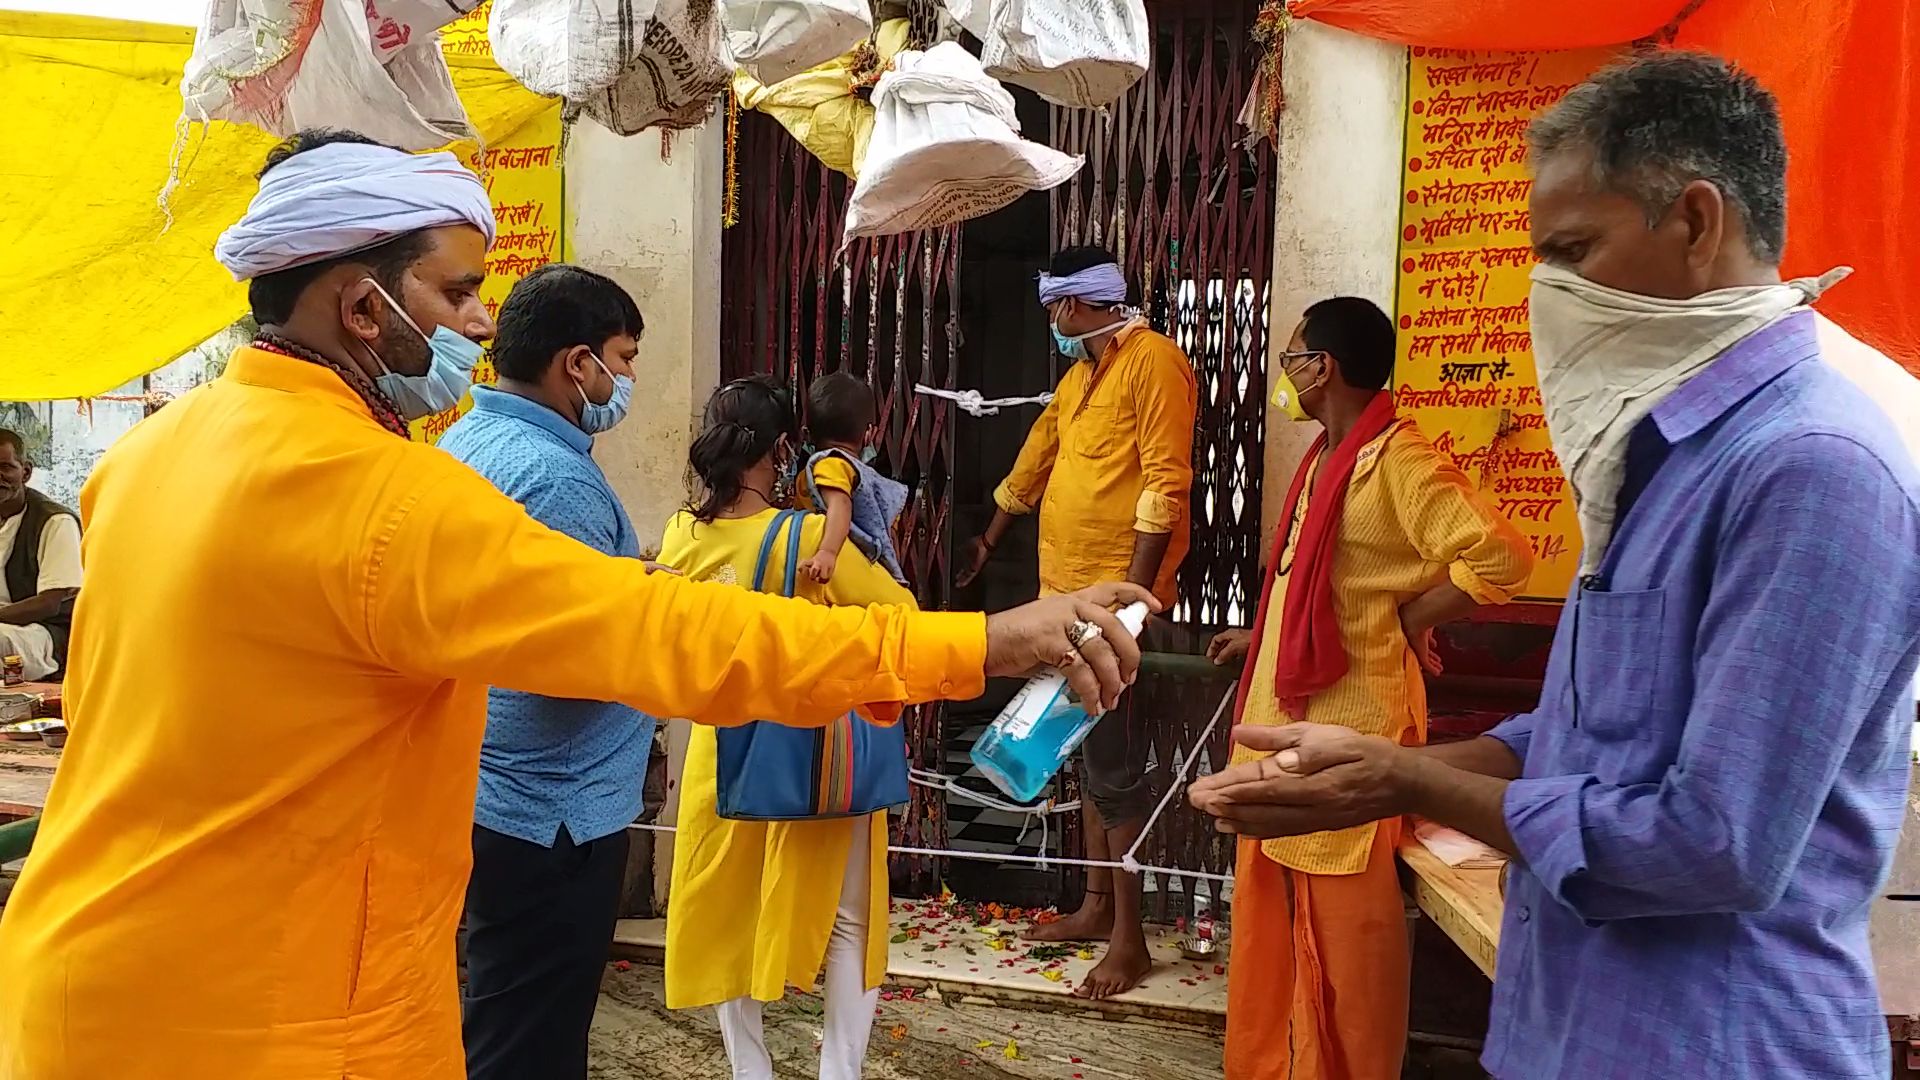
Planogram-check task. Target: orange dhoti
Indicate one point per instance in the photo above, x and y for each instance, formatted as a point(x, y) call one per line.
point(1318, 986)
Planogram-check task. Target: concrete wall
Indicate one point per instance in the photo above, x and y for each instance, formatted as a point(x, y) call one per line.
point(1336, 230)
point(650, 219)
point(652, 223)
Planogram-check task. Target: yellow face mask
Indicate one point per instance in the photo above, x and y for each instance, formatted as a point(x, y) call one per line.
point(1285, 395)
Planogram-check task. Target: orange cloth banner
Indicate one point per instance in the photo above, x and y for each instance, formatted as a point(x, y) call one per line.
point(1505, 25)
point(1843, 72)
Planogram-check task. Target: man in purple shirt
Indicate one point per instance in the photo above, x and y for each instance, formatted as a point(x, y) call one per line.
point(1707, 799)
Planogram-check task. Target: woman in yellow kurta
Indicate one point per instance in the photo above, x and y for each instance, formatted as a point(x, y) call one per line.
point(758, 906)
point(1384, 539)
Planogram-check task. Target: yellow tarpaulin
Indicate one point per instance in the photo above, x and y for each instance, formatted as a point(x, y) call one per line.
point(95, 289)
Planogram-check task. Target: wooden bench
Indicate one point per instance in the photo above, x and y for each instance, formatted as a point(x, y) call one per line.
point(1466, 905)
point(1463, 903)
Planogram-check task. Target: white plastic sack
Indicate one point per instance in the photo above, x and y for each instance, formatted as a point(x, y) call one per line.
point(1079, 53)
point(973, 16)
point(630, 64)
point(946, 147)
point(774, 40)
point(395, 24)
point(249, 66)
point(568, 48)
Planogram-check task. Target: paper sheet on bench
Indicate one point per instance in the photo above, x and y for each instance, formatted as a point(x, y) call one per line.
point(1455, 848)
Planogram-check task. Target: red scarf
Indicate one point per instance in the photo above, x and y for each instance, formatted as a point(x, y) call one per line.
point(1311, 657)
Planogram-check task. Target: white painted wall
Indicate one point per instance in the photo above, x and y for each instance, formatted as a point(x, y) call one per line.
point(653, 225)
point(1337, 221)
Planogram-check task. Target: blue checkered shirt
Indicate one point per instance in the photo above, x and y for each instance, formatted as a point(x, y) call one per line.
point(548, 762)
point(1716, 775)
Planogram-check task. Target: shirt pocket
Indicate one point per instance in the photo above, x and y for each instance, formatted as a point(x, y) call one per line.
point(1099, 431)
point(1617, 645)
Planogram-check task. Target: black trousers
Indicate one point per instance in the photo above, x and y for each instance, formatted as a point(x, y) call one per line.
point(538, 926)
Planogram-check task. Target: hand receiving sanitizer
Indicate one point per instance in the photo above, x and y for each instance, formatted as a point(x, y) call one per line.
point(1040, 728)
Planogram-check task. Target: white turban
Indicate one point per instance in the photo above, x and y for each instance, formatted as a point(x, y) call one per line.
point(341, 198)
point(1101, 283)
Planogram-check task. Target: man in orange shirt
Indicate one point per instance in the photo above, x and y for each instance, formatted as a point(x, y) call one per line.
point(1384, 539)
point(278, 673)
point(1109, 466)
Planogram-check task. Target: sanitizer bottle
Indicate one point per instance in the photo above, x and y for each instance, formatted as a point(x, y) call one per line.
point(1033, 736)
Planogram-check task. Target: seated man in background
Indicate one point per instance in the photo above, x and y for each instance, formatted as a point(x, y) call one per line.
point(560, 779)
point(40, 554)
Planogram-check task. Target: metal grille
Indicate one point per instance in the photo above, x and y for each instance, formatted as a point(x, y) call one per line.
point(886, 314)
point(1189, 212)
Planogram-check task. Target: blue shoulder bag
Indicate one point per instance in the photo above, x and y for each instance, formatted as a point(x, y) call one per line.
point(770, 772)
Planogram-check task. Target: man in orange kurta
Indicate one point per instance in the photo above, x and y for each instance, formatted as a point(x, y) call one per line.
point(1384, 539)
point(251, 862)
point(1109, 466)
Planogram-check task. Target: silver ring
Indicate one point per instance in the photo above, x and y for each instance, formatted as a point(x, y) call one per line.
point(1082, 632)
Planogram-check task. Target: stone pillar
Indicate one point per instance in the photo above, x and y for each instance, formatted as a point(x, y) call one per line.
point(651, 221)
point(648, 216)
point(1337, 218)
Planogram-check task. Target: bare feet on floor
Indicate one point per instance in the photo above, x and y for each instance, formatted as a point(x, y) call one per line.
point(1093, 922)
point(1126, 963)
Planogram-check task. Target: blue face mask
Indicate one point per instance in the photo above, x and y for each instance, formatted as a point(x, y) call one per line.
point(596, 418)
point(448, 377)
point(1074, 347)
point(868, 453)
point(1070, 347)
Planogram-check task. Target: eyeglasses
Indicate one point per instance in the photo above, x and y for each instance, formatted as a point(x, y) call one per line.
point(1288, 358)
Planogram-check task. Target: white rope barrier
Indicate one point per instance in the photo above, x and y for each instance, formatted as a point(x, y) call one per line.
point(1127, 861)
point(1042, 811)
point(971, 403)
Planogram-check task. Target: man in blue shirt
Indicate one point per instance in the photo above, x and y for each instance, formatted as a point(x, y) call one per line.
point(559, 780)
point(1707, 799)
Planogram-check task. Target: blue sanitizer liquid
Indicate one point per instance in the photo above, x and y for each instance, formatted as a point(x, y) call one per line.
point(1023, 749)
point(1039, 729)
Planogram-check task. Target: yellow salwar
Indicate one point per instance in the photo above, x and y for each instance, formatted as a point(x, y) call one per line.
point(252, 859)
point(1318, 987)
point(753, 902)
point(1112, 455)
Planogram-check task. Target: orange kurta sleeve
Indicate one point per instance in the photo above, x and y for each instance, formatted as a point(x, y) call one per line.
point(1020, 492)
point(464, 584)
point(1164, 406)
point(1451, 524)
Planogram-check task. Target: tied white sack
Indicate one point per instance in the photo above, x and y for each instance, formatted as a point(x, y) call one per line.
point(630, 64)
point(1079, 53)
point(286, 65)
point(774, 40)
point(946, 147)
point(973, 16)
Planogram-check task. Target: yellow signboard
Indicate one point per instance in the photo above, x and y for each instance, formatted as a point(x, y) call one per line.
point(1464, 371)
point(522, 173)
point(467, 35)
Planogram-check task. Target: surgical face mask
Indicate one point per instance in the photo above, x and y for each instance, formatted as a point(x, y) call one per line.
point(596, 418)
point(1285, 395)
point(449, 373)
point(1074, 346)
point(869, 452)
